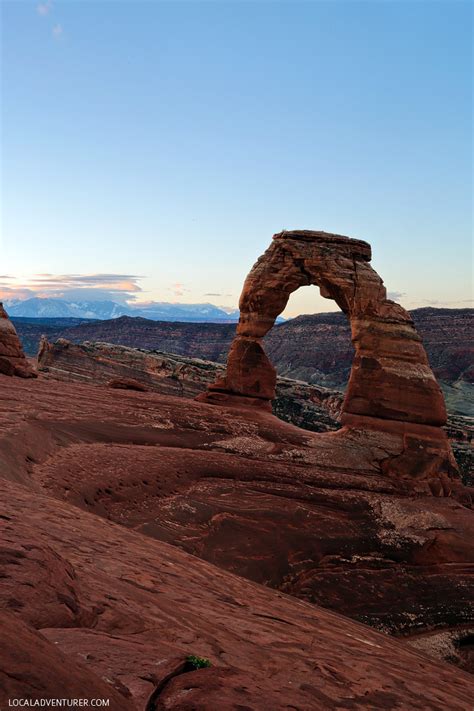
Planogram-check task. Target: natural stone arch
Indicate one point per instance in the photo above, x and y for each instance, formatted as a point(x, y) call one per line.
point(390, 378)
point(392, 389)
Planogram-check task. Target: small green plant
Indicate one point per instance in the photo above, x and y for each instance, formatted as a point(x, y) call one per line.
point(193, 662)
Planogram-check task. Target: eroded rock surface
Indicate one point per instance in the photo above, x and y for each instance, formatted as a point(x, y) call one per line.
point(114, 364)
point(33, 668)
point(308, 514)
point(156, 605)
point(12, 358)
point(312, 407)
point(309, 406)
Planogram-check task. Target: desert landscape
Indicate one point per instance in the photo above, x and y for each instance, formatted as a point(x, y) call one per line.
point(236, 355)
point(170, 543)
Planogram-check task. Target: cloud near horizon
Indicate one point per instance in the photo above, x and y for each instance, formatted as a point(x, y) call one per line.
point(439, 303)
point(395, 295)
point(210, 293)
point(122, 288)
point(178, 289)
point(126, 289)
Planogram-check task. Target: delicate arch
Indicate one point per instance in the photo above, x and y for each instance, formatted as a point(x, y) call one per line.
point(390, 378)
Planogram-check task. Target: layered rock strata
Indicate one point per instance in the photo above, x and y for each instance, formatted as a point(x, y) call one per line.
point(391, 387)
point(12, 357)
point(309, 406)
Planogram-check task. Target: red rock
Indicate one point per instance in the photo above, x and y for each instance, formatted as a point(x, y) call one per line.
point(252, 372)
point(391, 381)
point(312, 407)
point(313, 515)
point(316, 348)
point(53, 600)
point(117, 366)
point(306, 405)
point(12, 358)
point(156, 605)
point(134, 666)
point(32, 668)
point(127, 384)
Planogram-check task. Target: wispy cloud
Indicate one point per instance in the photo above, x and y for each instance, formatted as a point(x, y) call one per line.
point(210, 293)
point(395, 295)
point(44, 8)
point(7, 293)
point(90, 287)
point(462, 303)
point(126, 282)
point(178, 289)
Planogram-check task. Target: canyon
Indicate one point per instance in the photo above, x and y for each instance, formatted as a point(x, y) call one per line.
point(315, 348)
point(311, 407)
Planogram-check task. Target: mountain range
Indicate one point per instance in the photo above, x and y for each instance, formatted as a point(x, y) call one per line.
point(37, 307)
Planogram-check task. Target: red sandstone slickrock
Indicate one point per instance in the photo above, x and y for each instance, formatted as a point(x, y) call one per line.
point(96, 483)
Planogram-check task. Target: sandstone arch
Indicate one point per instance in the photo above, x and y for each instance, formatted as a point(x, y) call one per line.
point(391, 387)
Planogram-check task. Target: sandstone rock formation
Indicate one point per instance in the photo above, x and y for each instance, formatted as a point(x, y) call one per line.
point(127, 384)
point(33, 668)
point(155, 605)
point(12, 358)
point(316, 348)
point(94, 608)
point(311, 515)
point(312, 407)
point(309, 406)
point(391, 388)
point(105, 362)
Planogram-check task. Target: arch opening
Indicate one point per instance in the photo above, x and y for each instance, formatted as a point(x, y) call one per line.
point(314, 345)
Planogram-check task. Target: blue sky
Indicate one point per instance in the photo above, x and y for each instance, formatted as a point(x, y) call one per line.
point(163, 143)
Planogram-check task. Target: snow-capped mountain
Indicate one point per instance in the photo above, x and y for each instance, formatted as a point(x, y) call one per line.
point(60, 308)
point(160, 311)
point(157, 311)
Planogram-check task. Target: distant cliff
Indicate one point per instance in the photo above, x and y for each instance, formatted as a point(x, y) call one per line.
point(311, 407)
point(315, 348)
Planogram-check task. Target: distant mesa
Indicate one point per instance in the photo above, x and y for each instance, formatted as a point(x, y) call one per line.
point(12, 358)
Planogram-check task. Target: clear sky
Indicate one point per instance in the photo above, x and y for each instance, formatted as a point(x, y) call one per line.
point(161, 144)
